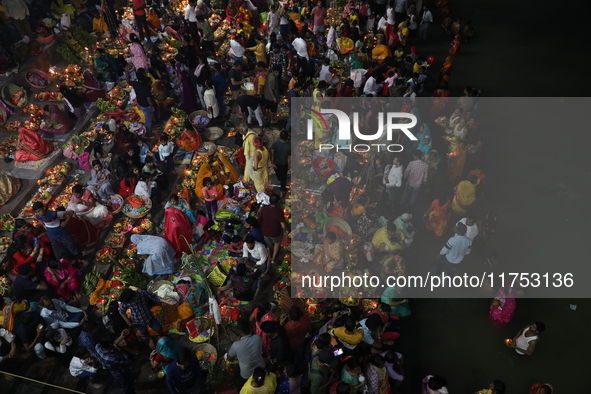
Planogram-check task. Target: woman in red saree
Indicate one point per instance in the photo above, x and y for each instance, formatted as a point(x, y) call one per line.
point(438, 216)
point(92, 88)
point(22, 252)
point(190, 140)
point(63, 278)
point(31, 147)
point(35, 235)
point(178, 231)
point(83, 232)
point(260, 315)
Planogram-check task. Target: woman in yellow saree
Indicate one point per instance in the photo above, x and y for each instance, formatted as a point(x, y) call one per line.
point(249, 150)
point(260, 165)
point(207, 171)
point(380, 53)
point(465, 196)
point(225, 171)
point(455, 163)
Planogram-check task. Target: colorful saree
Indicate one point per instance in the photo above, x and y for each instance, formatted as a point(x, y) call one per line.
point(55, 278)
point(506, 310)
point(455, 164)
point(438, 218)
point(465, 197)
point(190, 140)
point(31, 147)
point(178, 231)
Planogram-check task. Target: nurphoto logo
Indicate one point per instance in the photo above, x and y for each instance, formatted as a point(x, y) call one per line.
point(388, 123)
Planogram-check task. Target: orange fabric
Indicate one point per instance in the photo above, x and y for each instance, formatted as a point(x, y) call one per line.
point(31, 147)
point(135, 202)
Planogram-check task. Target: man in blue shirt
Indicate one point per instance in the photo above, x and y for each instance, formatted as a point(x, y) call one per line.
point(454, 251)
point(183, 374)
point(60, 238)
point(116, 362)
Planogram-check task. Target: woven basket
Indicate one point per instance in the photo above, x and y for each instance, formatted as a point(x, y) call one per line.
point(8, 90)
point(340, 223)
point(139, 216)
point(208, 348)
point(42, 74)
point(213, 133)
point(199, 113)
point(206, 149)
point(119, 200)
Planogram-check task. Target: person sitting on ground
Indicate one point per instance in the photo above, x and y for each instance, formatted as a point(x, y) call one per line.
point(58, 314)
point(244, 285)
point(235, 246)
point(83, 365)
point(165, 353)
point(63, 278)
point(141, 316)
point(27, 286)
point(403, 223)
point(388, 238)
point(184, 372)
point(252, 227)
point(30, 328)
point(57, 340)
point(254, 252)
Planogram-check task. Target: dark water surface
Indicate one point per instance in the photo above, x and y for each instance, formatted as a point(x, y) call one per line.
point(539, 185)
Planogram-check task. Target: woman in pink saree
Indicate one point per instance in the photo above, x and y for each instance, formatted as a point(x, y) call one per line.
point(83, 204)
point(502, 307)
point(260, 315)
point(178, 231)
point(63, 278)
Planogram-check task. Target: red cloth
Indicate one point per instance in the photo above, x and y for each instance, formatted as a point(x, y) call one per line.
point(297, 330)
point(83, 233)
point(126, 190)
point(18, 259)
point(31, 146)
point(178, 231)
point(271, 219)
point(139, 4)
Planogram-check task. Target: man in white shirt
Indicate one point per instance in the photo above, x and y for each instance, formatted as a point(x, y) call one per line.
point(471, 225)
point(83, 365)
point(191, 17)
point(373, 85)
point(426, 20)
point(58, 314)
point(301, 48)
point(393, 178)
point(254, 251)
point(236, 48)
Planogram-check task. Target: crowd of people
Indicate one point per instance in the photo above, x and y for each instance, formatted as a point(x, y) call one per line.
point(287, 50)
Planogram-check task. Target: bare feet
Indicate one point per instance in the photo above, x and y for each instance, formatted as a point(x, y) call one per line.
point(97, 385)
